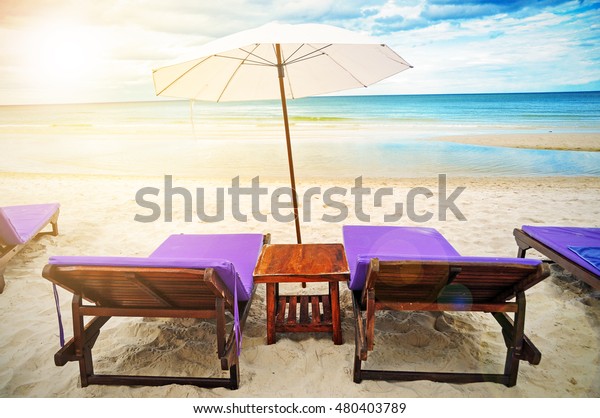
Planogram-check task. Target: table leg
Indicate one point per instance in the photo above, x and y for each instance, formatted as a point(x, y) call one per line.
point(336, 323)
point(271, 311)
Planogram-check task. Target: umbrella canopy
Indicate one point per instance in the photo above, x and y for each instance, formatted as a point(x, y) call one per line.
point(280, 61)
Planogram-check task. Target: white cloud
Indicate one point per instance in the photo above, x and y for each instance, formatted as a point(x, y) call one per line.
point(541, 52)
point(552, 49)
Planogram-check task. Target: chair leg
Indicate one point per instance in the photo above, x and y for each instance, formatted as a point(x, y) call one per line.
point(360, 343)
point(521, 252)
point(83, 350)
point(86, 366)
point(357, 376)
point(221, 343)
point(530, 352)
point(523, 247)
point(6, 253)
point(234, 376)
point(370, 331)
point(54, 228)
point(514, 352)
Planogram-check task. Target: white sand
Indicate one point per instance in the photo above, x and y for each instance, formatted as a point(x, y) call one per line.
point(549, 140)
point(97, 219)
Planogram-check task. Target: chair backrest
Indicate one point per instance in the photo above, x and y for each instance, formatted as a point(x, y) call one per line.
point(141, 282)
point(453, 280)
point(8, 233)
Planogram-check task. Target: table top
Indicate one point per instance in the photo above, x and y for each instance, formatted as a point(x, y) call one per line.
point(279, 263)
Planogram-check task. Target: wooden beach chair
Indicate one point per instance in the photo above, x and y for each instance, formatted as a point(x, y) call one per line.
point(416, 269)
point(575, 249)
point(19, 225)
point(188, 276)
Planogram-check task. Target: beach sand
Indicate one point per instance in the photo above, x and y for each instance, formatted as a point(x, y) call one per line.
point(549, 140)
point(97, 218)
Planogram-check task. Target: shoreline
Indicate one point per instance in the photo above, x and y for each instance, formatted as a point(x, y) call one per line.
point(574, 141)
point(349, 156)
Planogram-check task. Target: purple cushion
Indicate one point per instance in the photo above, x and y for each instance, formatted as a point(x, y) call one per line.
point(241, 250)
point(18, 224)
point(560, 238)
point(390, 243)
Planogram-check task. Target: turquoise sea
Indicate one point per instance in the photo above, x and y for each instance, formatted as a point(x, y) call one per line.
point(378, 136)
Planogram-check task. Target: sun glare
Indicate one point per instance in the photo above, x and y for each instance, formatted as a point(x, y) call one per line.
point(61, 58)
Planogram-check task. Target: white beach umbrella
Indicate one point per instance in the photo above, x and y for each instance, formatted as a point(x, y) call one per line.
point(280, 61)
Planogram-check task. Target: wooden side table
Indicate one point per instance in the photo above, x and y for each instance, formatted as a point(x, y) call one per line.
point(291, 263)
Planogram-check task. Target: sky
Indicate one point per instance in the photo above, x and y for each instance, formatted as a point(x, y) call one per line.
point(88, 51)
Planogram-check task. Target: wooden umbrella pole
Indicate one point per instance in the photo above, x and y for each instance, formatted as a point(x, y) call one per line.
point(287, 140)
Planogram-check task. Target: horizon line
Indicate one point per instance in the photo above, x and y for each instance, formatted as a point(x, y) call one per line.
point(162, 99)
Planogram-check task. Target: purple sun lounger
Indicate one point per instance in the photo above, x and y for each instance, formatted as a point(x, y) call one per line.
point(417, 269)
point(575, 249)
point(19, 225)
point(187, 276)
